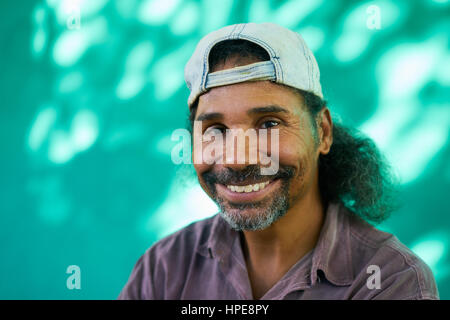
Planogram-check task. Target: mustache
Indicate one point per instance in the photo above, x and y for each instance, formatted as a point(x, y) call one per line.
point(252, 173)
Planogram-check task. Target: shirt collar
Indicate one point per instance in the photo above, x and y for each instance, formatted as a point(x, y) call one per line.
point(220, 240)
point(331, 254)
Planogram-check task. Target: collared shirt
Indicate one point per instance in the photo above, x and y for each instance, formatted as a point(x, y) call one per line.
point(351, 260)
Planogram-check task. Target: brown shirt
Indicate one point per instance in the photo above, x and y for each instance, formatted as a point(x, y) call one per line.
point(205, 261)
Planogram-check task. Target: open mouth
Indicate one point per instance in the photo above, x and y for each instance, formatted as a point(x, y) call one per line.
point(248, 188)
point(244, 193)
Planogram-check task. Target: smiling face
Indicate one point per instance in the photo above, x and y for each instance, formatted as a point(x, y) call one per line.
point(247, 199)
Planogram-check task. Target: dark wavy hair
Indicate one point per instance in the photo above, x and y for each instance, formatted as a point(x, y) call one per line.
point(354, 172)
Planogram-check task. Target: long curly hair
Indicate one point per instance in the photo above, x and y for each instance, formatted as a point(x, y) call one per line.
point(354, 172)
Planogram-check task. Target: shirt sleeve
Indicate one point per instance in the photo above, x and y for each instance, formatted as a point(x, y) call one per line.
point(140, 282)
point(413, 283)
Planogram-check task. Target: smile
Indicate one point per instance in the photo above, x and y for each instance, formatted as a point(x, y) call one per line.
point(248, 193)
point(248, 188)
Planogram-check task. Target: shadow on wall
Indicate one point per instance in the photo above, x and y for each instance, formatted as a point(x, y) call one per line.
point(93, 90)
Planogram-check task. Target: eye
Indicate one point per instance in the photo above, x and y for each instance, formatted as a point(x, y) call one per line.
point(214, 130)
point(269, 124)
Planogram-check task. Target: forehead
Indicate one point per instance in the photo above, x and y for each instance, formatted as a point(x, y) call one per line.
point(240, 97)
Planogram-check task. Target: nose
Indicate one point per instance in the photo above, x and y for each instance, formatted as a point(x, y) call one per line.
point(240, 148)
point(236, 166)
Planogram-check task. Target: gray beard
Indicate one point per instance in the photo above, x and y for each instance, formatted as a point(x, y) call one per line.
point(268, 211)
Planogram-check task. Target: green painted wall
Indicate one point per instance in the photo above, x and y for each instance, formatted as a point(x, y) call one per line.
point(87, 115)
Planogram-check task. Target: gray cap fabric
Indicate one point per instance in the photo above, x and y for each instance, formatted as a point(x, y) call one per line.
point(291, 62)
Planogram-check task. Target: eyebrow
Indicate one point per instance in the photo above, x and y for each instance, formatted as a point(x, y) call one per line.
point(256, 110)
point(267, 109)
point(210, 116)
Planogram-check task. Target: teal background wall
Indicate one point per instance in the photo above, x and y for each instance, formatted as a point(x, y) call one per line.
point(87, 114)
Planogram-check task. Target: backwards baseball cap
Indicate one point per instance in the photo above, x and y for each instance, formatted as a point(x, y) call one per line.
point(291, 62)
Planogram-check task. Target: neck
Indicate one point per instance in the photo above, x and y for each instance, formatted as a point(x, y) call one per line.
point(297, 231)
point(281, 245)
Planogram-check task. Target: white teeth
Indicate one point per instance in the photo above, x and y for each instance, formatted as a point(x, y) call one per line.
point(248, 188)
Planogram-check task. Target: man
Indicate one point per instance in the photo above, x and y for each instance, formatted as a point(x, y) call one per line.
point(299, 232)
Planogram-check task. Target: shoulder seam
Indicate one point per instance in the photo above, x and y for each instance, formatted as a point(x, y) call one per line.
point(394, 246)
point(421, 296)
point(391, 243)
point(369, 242)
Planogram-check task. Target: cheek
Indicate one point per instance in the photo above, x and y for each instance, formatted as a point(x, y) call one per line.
point(198, 157)
point(200, 168)
point(298, 152)
point(294, 151)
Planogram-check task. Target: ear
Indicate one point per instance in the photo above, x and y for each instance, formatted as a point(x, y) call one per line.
point(325, 130)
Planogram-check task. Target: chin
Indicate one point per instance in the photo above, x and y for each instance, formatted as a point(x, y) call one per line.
point(253, 216)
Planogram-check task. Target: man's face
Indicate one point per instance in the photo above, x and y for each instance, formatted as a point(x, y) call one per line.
point(250, 105)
